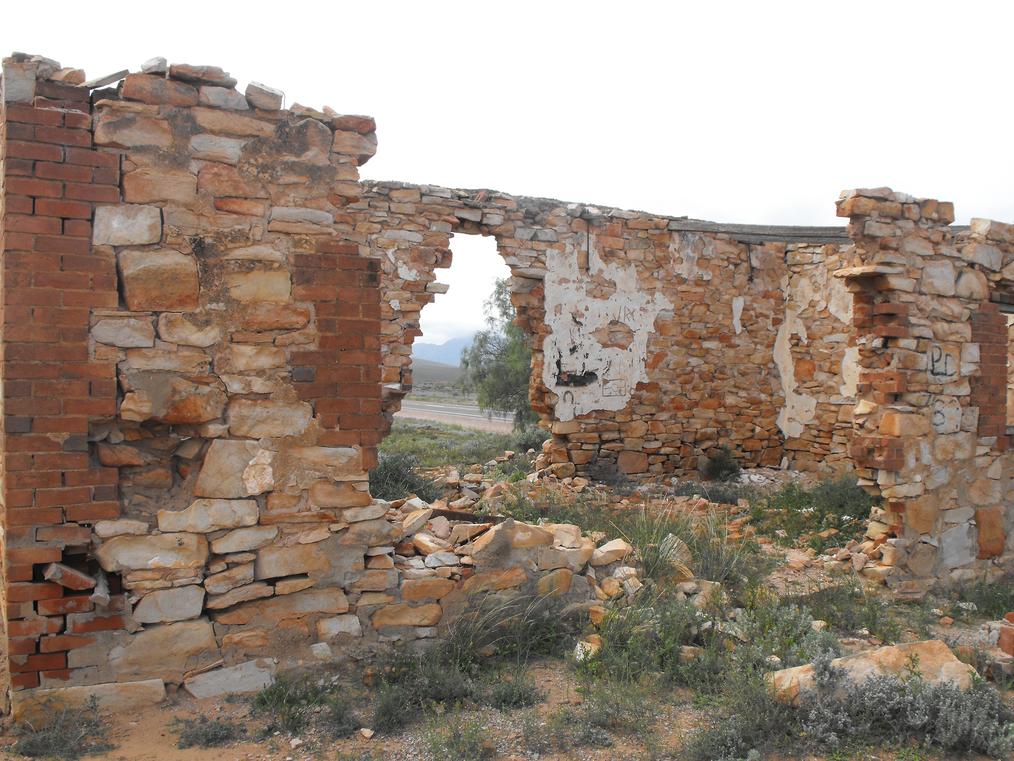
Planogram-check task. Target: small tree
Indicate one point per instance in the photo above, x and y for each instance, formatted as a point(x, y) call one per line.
point(498, 364)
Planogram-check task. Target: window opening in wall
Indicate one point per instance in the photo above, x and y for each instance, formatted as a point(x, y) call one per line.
point(450, 326)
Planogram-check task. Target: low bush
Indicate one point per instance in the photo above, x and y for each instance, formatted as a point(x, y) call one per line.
point(839, 509)
point(293, 703)
point(720, 465)
point(454, 737)
point(530, 437)
point(607, 709)
point(722, 492)
point(984, 599)
point(203, 732)
point(63, 732)
point(848, 608)
point(395, 477)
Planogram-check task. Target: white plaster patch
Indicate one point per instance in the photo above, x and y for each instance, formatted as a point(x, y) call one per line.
point(799, 409)
point(737, 313)
point(849, 372)
point(595, 377)
point(687, 249)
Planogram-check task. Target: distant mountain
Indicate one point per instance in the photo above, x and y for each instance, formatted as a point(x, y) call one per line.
point(425, 372)
point(447, 353)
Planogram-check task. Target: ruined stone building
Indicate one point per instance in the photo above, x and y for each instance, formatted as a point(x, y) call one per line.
point(207, 328)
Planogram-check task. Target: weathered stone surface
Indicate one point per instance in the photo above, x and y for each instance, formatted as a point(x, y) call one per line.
point(237, 576)
point(610, 552)
point(240, 358)
point(413, 590)
point(363, 147)
point(228, 150)
point(130, 130)
point(338, 495)
point(400, 614)
point(158, 280)
point(264, 97)
point(210, 75)
point(222, 97)
point(128, 553)
point(251, 676)
point(165, 652)
point(330, 628)
point(124, 332)
point(632, 462)
point(490, 581)
point(127, 225)
point(187, 330)
point(937, 664)
point(366, 513)
point(122, 698)
point(158, 90)
point(167, 605)
point(244, 539)
point(206, 515)
point(266, 316)
point(555, 583)
point(147, 185)
point(259, 285)
point(124, 526)
point(312, 602)
point(234, 469)
point(289, 561)
point(266, 418)
point(231, 123)
point(234, 596)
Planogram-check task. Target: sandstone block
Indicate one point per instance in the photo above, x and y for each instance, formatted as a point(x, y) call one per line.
point(158, 90)
point(107, 529)
point(228, 150)
point(266, 418)
point(127, 225)
point(555, 583)
point(289, 561)
point(167, 605)
point(202, 75)
point(414, 590)
point(237, 576)
point(251, 676)
point(338, 495)
point(129, 130)
point(492, 581)
point(366, 513)
point(129, 553)
point(312, 602)
point(244, 539)
point(206, 515)
point(234, 469)
point(632, 462)
point(149, 184)
point(259, 285)
point(363, 147)
point(231, 123)
point(400, 614)
point(124, 332)
point(266, 316)
point(241, 358)
point(234, 596)
point(158, 280)
point(610, 552)
point(264, 97)
point(937, 664)
point(114, 698)
point(223, 97)
point(165, 652)
point(188, 330)
point(330, 628)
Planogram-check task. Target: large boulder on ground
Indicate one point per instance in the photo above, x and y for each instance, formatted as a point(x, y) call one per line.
point(932, 658)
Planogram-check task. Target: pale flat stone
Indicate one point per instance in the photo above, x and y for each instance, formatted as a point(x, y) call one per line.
point(265, 418)
point(117, 698)
point(244, 539)
point(167, 605)
point(123, 526)
point(329, 628)
point(400, 614)
point(367, 513)
point(259, 285)
point(312, 602)
point(301, 214)
point(231, 123)
point(149, 185)
point(206, 515)
point(293, 584)
point(290, 561)
point(127, 130)
point(610, 552)
point(255, 254)
point(251, 676)
point(127, 225)
point(128, 553)
point(223, 97)
point(254, 591)
point(228, 150)
point(166, 652)
point(242, 358)
point(228, 470)
point(264, 97)
point(187, 330)
point(415, 520)
point(124, 332)
point(237, 576)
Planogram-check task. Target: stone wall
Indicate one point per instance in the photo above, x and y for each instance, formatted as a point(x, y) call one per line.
point(207, 325)
point(930, 422)
point(654, 339)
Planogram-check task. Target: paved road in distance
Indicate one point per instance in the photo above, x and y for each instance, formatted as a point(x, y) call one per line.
point(466, 415)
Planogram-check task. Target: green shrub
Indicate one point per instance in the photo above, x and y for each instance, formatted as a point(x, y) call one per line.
point(63, 732)
point(395, 477)
point(795, 512)
point(203, 732)
point(607, 709)
point(293, 703)
point(530, 437)
point(454, 737)
point(722, 492)
point(508, 691)
point(720, 465)
point(984, 599)
point(849, 608)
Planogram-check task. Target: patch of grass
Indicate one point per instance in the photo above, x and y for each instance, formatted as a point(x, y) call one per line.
point(292, 703)
point(607, 709)
point(437, 444)
point(720, 465)
point(508, 691)
point(203, 732)
point(848, 608)
point(984, 599)
point(794, 514)
point(452, 736)
point(395, 477)
point(722, 492)
point(63, 732)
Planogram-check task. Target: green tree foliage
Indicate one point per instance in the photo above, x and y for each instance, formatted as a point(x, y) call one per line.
point(498, 363)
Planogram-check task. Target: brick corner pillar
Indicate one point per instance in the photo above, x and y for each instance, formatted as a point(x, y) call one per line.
point(50, 280)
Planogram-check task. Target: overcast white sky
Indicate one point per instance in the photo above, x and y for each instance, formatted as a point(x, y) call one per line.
point(733, 111)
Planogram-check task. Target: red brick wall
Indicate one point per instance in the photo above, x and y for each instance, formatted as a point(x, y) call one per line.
point(53, 178)
point(989, 389)
point(341, 376)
